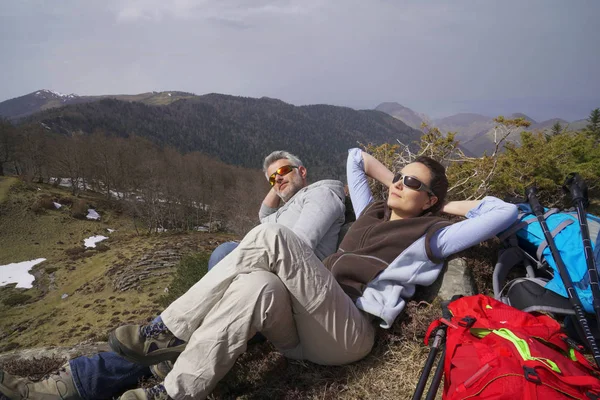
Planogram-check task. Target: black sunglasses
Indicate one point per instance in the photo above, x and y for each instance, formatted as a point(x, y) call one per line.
point(281, 171)
point(412, 183)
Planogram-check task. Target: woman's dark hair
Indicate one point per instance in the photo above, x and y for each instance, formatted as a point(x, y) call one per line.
point(439, 181)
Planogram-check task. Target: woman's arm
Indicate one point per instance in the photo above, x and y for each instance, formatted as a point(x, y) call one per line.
point(460, 208)
point(359, 166)
point(486, 218)
point(376, 170)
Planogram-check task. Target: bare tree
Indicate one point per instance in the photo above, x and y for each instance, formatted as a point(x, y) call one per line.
point(8, 147)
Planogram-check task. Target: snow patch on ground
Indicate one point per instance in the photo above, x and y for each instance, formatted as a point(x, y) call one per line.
point(92, 214)
point(110, 230)
point(92, 240)
point(57, 205)
point(19, 273)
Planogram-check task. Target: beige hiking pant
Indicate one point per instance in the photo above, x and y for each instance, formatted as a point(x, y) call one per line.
point(271, 283)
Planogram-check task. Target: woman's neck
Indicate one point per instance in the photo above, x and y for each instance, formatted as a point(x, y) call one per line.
point(394, 215)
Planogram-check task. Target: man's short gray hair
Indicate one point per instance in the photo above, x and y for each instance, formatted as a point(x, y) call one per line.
point(281, 155)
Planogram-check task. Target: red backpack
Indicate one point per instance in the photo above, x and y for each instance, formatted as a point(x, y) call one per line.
point(494, 351)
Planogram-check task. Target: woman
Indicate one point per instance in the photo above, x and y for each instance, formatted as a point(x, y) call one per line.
point(323, 312)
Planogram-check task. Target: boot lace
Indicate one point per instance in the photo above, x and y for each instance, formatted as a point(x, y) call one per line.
point(157, 392)
point(153, 330)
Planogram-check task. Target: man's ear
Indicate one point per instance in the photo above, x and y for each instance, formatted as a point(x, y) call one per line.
point(303, 172)
point(430, 203)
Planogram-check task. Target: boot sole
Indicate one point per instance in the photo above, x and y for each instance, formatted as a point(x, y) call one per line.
point(168, 354)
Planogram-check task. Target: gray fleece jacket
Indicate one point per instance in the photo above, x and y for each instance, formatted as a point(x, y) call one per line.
point(315, 214)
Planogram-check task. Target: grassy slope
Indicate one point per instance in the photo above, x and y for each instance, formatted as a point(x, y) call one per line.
point(93, 307)
point(5, 184)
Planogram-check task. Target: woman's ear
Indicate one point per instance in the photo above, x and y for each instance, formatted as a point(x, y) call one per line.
point(430, 203)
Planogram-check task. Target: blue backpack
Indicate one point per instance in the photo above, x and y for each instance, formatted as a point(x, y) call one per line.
point(541, 289)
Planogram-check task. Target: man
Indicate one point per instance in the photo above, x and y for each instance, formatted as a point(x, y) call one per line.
point(313, 212)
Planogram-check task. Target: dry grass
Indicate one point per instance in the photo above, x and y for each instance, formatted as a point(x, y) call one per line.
point(35, 368)
point(391, 371)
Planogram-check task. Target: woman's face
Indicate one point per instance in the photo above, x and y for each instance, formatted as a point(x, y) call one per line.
point(406, 202)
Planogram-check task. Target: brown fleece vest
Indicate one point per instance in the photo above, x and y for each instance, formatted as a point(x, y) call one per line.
point(373, 242)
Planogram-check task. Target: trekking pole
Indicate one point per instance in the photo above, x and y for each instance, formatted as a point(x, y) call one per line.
point(578, 191)
point(564, 273)
point(435, 346)
point(437, 378)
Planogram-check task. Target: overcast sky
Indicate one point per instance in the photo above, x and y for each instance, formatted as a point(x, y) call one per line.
point(437, 57)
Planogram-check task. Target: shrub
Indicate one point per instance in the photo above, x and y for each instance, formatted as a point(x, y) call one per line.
point(100, 247)
point(16, 299)
point(43, 203)
point(66, 201)
point(190, 270)
point(79, 209)
point(22, 186)
point(9, 346)
point(75, 251)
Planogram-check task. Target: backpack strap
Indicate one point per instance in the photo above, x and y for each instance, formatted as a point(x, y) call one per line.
point(507, 260)
point(529, 295)
point(554, 232)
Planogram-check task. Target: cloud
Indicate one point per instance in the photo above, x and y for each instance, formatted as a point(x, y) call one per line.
point(437, 57)
point(231, 11)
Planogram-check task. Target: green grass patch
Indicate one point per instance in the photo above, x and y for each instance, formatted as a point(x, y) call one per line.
point(5, 183)
point(15, 299)
point(26, 235)
point(190, 270)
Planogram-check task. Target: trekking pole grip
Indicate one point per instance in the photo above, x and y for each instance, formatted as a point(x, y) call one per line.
point(577, 188)
point(531, 194)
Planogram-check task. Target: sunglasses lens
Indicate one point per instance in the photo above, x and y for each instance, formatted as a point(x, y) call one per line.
point(286, 169)
point(411, 182)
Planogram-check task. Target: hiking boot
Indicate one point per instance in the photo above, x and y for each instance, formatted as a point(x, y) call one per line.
point(58, 386)
point(157, 392)
point(146, 344)
point(161, 369)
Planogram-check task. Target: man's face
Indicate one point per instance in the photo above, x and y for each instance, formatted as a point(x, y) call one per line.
point(288, 185)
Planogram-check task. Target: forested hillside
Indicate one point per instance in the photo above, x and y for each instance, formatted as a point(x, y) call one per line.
point(237, 130)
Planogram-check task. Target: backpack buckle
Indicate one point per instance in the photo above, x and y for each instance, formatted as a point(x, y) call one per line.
point(531, 375)
point(467, 321)
point(448, 323)
point(573, 344)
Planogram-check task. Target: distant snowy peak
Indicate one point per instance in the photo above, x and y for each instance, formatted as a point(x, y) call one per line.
point(51, 94)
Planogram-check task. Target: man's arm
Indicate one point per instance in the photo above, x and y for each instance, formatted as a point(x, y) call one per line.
point(269, 205)
point(321, 209)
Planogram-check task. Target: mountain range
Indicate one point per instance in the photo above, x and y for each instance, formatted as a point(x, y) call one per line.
point(237, 130)
point(233, 128)
point(474, 131)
